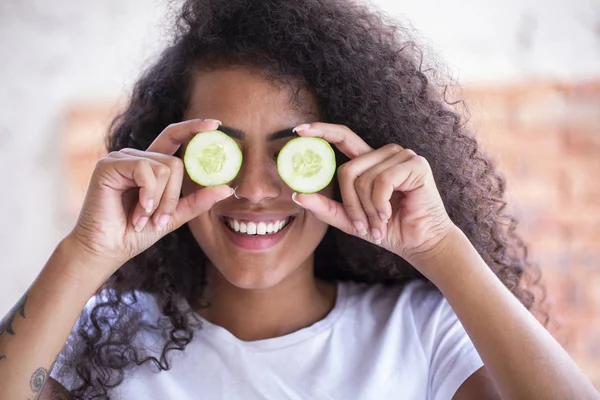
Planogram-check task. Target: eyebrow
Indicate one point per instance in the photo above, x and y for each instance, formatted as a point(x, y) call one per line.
point(239, 134)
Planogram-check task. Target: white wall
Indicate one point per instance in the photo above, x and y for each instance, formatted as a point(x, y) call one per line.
point(506, 40)
point(55, 53)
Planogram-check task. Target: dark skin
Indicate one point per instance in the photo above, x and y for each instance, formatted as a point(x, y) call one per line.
point(286, 297)
point(275, 287)
point(389, 198)
point(269, 285)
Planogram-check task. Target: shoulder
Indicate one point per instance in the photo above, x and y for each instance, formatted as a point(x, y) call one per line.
point(415, 310)
point(415, 324)
point(415, 298)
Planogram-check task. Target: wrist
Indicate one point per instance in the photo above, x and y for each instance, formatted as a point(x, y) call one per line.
point(443, 258)
point(79, 265)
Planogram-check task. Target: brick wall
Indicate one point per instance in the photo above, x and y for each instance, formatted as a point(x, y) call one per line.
point(546, 139)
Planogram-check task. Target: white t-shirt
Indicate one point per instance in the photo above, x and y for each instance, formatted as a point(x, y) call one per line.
point(378, 342)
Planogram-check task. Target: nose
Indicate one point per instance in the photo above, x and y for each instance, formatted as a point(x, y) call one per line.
point(258, 179)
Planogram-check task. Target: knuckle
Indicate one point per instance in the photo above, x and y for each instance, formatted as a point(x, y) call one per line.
point(374, 220)
point(332, 209)
point(410, 152)
point(363, 183)
point(345, 171)
point(175, 164)
point(143, 164)
point(353, 211)
point(168, 204)
point(113, 154)
point(163, 171)
point(421, 161)
point(103, 163)
point(383, 179)
point(393, 147)
point(344, 128)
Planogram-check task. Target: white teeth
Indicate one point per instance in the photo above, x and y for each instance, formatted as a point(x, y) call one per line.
point(261, 228)
point(256, 228)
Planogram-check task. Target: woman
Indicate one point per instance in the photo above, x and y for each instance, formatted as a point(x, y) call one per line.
point(401, 279)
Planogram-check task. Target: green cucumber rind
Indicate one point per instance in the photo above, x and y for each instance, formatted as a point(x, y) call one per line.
point(282, 158)
point(189, 163)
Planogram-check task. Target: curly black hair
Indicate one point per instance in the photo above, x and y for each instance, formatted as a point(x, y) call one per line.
point(366, 72)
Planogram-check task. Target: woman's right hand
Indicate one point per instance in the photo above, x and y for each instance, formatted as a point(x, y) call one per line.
point(134, 199)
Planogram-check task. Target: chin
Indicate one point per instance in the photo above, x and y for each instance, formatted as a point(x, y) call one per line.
point(252, 277)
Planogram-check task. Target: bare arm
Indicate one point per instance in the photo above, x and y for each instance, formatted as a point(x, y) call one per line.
point(111, 229)
point(33, 333)
point(392, 190)
point(520, 356)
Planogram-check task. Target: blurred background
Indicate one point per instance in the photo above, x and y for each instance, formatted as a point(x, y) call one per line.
point(529, 72)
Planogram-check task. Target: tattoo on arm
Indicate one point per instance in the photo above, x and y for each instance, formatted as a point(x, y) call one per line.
point(40, 376)
point(38, 381)
point(6, 324)
point(7, 321)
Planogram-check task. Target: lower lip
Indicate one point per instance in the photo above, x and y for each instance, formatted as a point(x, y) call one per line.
point(256, 242)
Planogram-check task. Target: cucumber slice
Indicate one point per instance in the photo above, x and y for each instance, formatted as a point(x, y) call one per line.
point(212, 158)
point(306, 164)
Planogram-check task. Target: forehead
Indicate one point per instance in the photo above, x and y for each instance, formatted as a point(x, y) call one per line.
point(246, 99)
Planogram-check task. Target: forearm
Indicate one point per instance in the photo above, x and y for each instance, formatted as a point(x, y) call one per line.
point(35, 330)
point(522, 358)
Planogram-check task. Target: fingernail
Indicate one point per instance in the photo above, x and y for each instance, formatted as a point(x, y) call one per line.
point(231, 191)
point(294, 199)
point(376, 234)
point(149, 206)
point(162, 221)
point(216, 121)
point(141, 223)
point(301, 128)
point(383, 217)
point(360, 228)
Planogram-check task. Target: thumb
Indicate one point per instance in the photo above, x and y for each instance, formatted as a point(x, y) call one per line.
point(198, 203)
point(327, 210)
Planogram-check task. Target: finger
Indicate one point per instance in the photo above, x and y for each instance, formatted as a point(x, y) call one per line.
point(170, 192)
point(384, 181)
point(132, 172)
point(143, 211)
point(170, 196)
point(378, 212)
point(197, 203)
point(341, 136)
point(349, 172)
point(405, 177)
point(174, 135)
point(327, 210)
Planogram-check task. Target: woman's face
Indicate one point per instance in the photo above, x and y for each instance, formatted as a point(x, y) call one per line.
point(260, 117)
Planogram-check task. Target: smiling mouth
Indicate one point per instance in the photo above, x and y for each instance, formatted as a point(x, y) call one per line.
point(256, 228)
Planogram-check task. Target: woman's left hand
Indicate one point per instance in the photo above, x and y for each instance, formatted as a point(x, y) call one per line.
point(389, 195)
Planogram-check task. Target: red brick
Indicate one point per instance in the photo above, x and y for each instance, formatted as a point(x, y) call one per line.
point(583, 111)
point(582, 141)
